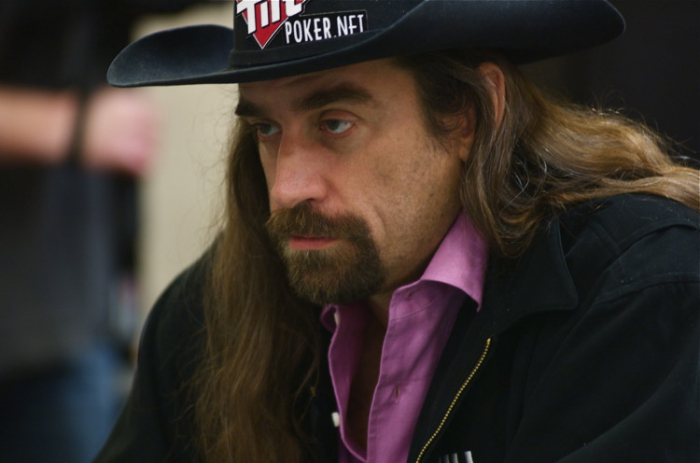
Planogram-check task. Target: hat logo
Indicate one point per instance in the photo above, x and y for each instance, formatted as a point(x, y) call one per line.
point(264, 18)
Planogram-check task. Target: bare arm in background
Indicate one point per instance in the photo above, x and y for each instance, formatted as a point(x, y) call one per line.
point(119, 131)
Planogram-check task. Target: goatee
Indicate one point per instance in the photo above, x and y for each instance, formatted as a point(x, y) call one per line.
point(348, 270)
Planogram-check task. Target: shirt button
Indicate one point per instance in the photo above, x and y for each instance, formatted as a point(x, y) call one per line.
point(336, 419)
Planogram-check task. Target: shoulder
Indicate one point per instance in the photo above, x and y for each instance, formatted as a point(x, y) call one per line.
point(625, 274)
point(599, 251)
point(182, 299)
point(175, 326)
point(156, 423)
point(625, 218)
point(630, 242)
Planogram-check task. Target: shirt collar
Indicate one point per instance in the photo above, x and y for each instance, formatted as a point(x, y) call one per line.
point(459, 261)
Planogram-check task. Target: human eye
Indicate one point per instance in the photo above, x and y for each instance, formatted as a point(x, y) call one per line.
point(265, 130)
point(336, 126)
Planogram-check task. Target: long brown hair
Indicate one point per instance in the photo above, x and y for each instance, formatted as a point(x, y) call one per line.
point(262, 354)
point(262, 341)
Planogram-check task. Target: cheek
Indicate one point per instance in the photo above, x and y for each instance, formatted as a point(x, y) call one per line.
point(421, 187)
point(414, 170)
point(391, 188)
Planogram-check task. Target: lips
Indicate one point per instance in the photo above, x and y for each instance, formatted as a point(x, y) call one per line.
point(309, 243)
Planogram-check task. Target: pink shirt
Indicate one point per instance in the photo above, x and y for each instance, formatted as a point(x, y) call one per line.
point(421, 315)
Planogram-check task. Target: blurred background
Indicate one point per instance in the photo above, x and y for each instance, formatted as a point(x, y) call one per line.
point(170, 202)
point(651, 73)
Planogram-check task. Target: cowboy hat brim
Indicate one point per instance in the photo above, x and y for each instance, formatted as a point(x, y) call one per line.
point(524, 30)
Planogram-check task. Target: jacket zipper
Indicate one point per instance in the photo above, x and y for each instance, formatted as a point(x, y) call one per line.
point(455, 399)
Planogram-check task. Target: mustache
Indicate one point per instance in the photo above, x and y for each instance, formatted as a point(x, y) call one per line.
point(302, 220)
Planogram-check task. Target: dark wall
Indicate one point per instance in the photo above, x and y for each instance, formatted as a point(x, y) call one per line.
point(653, 70)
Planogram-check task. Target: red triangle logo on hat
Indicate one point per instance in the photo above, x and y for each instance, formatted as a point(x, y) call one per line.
point(265, 17)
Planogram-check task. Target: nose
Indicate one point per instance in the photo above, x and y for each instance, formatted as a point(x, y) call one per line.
point(299, 173)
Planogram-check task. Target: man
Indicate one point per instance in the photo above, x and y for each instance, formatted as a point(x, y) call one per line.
point(424, 259)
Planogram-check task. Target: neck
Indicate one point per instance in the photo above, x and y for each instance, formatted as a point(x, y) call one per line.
point(379, 306)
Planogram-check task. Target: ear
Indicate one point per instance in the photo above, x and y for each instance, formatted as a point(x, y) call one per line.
point(496, 83)
point(465, 138)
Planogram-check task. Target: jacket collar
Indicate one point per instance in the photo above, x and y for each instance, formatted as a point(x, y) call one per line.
point(537, 281)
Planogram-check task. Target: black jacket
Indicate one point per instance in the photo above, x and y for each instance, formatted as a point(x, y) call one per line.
point(585, 349)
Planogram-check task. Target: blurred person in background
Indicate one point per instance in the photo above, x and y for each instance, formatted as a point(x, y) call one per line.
point(71, 152)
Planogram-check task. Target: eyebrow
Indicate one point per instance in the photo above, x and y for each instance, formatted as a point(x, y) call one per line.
point(341, 92)
point(316, 100)
point(245, 108)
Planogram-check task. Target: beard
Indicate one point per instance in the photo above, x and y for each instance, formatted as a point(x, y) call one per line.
point(346, 271)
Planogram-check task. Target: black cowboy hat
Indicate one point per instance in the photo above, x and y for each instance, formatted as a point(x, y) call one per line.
point(279, 38)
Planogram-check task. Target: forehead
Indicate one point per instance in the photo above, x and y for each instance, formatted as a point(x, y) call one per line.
point(369, 83)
